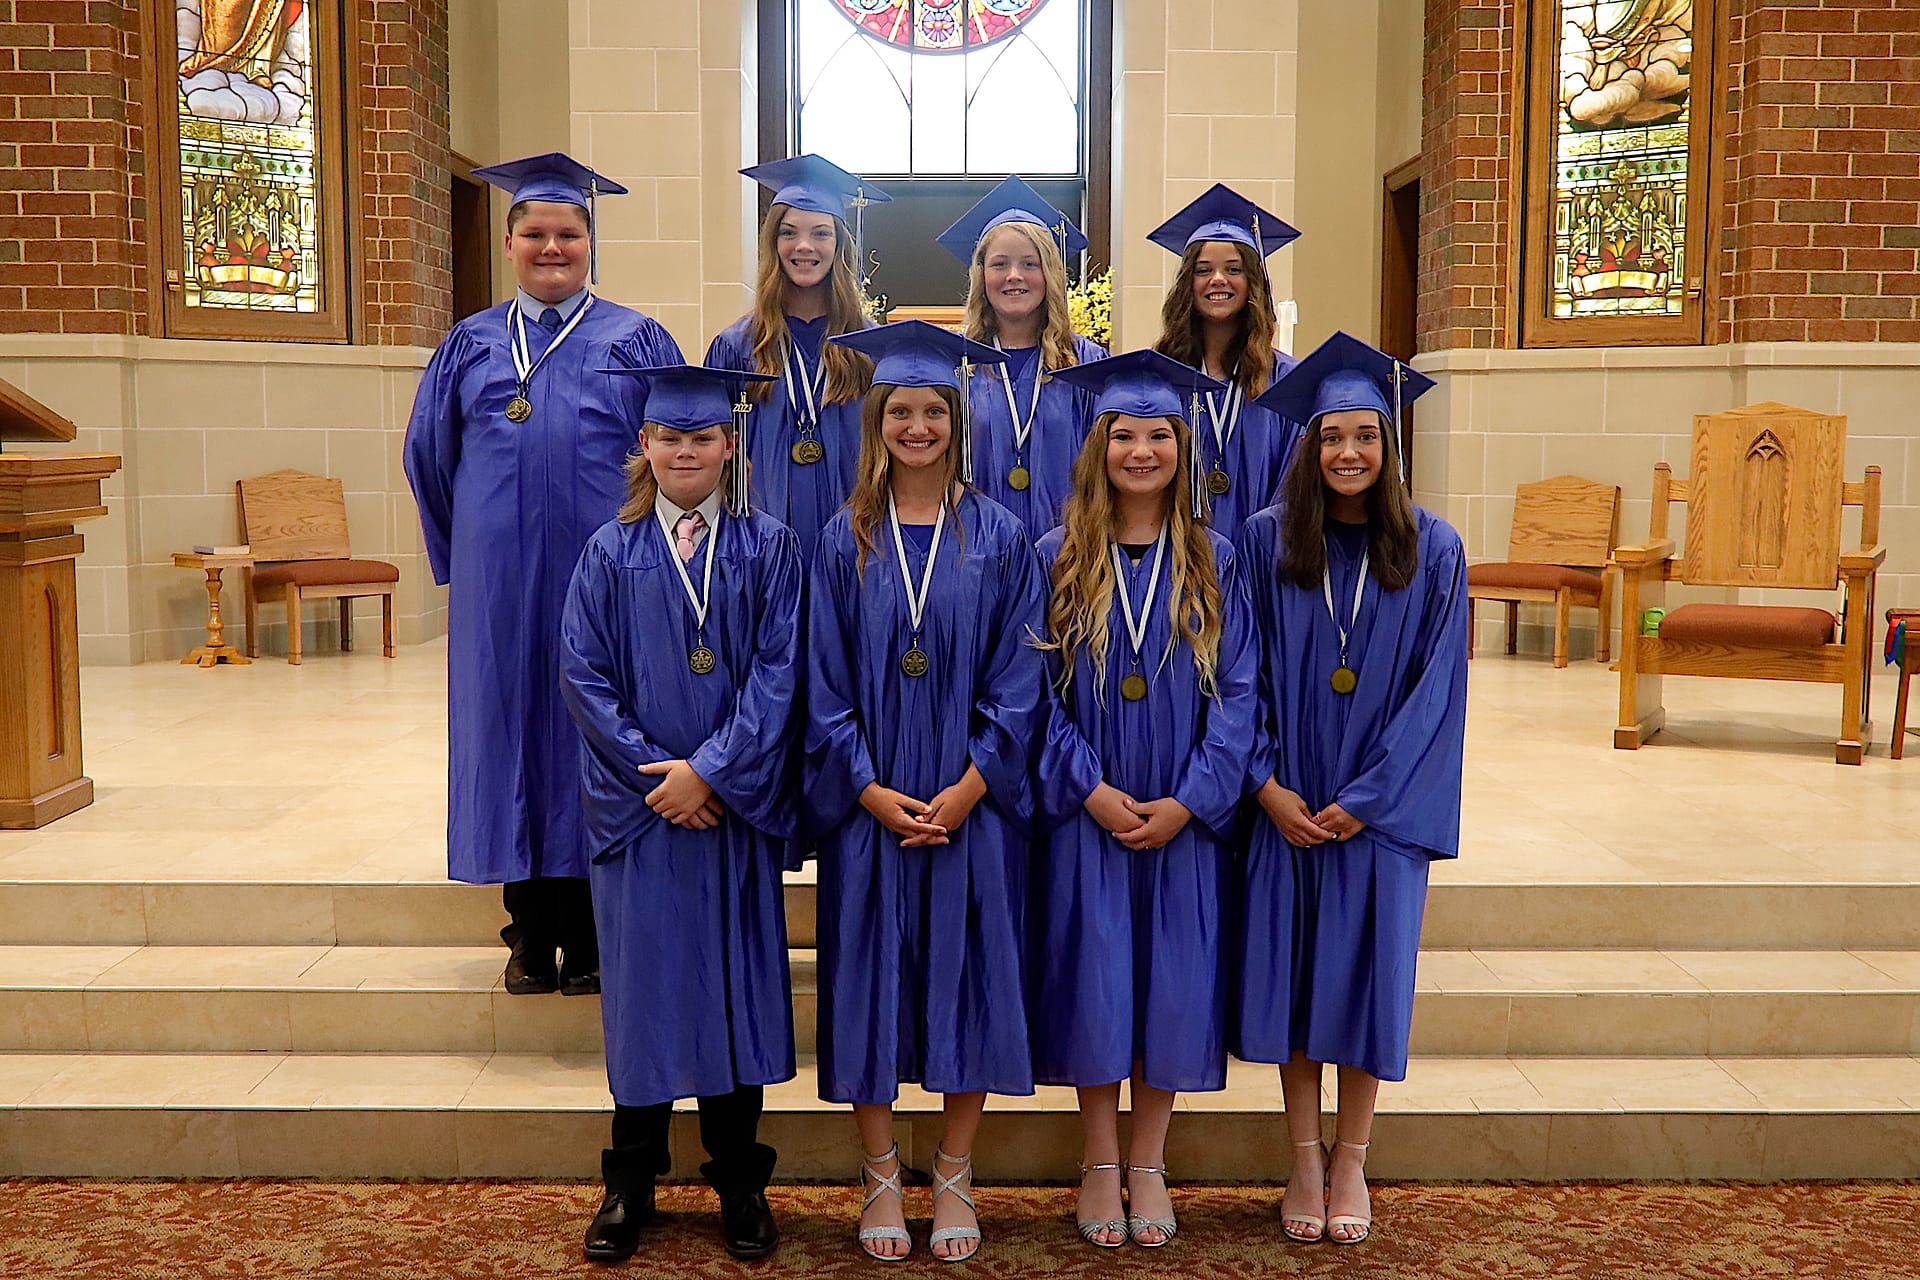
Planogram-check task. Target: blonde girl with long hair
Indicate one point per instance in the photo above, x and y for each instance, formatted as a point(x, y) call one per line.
point(1143, 767)
point(923, 697)
point(806, 435)
point(1219, 317)
point(1028, 424)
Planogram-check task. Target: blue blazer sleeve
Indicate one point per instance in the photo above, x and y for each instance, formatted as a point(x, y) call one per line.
point(1006, 710)
point(746, 760)
point(1253, 560)
point(431, 453)
point(1067, 768)
point(839, 763)
point(590, 674)
point(1214, 777)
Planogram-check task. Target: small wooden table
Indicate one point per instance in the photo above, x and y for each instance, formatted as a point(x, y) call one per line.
point(216, 650)
point(1909, 663)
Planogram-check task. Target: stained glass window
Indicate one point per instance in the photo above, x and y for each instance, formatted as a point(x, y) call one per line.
point(249, 201)
point(933, 88)
point(1620, 163)
point(938, 26)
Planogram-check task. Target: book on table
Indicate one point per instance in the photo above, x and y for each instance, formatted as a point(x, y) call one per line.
point(209, 549)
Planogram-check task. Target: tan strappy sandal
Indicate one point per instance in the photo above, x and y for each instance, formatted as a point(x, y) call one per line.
point(1347, 1219)
point(1314, 1226)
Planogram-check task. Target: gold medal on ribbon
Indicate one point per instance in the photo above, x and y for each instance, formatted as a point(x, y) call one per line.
point(519, 409)
point(807, 452)
point(1218, 482)
point(1134, 687)
point(1019, 477)
point(701, 660)
point(1344, 679)
point(914, 662)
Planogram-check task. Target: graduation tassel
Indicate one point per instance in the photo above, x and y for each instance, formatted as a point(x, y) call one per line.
point(738, 468)
point(1399, 440)
point(859, 203)
point(966, 420)
point(1196, 483)
point(593, 230)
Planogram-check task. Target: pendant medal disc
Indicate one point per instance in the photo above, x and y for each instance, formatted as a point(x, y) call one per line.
point(701, 660)
point(1218, 482)
point(807, 452)
point(1344, 679)
point(1134, 687)
point(519, 409)
point(1019, 477)
point(914, 662)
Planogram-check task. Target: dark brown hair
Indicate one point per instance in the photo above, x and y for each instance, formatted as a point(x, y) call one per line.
point(1251, 350)
point(519, 211)
point(1393, 537)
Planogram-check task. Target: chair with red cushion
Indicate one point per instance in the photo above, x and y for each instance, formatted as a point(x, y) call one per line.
point(1764, 507)
point(1563, 535)
point(296, 525)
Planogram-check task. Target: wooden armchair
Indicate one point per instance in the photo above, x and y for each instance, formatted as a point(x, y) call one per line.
point(1563, 535)
point(296, 524)
point(1764, 510)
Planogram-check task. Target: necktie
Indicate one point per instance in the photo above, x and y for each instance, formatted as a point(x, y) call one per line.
point(550, 320)
point(686, 532)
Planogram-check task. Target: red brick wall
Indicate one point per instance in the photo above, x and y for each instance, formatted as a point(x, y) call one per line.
point(1822, 211)
point(73, 179)
point(1465, 184)
point(72, 168)
point(1820, 208)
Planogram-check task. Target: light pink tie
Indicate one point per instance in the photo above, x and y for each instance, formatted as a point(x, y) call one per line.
point(686, 531)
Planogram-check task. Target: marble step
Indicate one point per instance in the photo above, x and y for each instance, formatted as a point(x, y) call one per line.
point(316, 999)
point(542, 1115)
point(1650, 915)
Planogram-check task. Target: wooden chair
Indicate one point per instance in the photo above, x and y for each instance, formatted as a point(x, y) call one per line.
point(1764, 505)
point(1563, 535)
point(296, 524)
point(1909, 663)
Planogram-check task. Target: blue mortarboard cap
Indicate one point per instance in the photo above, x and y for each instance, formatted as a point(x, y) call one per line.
point(1221, 213)
point(913, 353)
point(1343, 373)
point(816, 185)
point(553, 176)
point(1142, 384)
point(687, 397)
point(1011, 201)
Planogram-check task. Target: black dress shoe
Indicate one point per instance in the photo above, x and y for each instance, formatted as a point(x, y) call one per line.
point(580, 984)
point(746, 1225)
point(614, 1233)
point(531, 972)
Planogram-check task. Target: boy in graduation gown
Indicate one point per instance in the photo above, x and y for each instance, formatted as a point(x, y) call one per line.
point(1219, 317)
point(679, 652)
point(514, 453)
point(1028, 423)
point(806, 429)
point(1361, 603)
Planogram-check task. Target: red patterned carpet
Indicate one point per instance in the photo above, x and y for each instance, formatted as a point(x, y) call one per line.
point(66, 1230)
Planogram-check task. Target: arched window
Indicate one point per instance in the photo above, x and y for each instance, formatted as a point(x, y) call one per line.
point(1620, 120)
point(250, 131)
point(937, 100)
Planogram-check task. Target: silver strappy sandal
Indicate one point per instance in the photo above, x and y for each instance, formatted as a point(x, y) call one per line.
point(1136, 1224)
point(1092, 1227)
point(883, 1183)
point(951, 1186)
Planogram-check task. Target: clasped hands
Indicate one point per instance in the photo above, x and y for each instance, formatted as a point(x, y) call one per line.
point(920, 823)
point(1301, 827)
point(683, 796)
point(1137, 824)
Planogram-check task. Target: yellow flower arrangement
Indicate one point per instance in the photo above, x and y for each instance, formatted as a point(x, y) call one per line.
point(1090, 304)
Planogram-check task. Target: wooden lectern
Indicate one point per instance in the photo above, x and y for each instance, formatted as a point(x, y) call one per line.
point(42, 496)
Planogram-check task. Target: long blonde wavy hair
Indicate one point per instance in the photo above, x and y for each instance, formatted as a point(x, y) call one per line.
point(848, 372)
point(1084, 578)
point(1056, 321)
point(873, 474)
point(1251, 351)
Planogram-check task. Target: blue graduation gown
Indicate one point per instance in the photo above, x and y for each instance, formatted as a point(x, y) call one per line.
point(1128, 958)
point(801, 496)
point(1059, 429)
point(693, 937)
point(921, 949)
point(506, 508)
point(1256, 457)
point(1331, 932)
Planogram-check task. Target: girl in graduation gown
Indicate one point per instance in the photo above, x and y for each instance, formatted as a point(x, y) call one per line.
point(1143, 768)
point(1362, 607)
point(681, 675)
point(513, 472)
point(920, 718)
point(1218, 316)
point(1027, 424)
point(806, 429)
